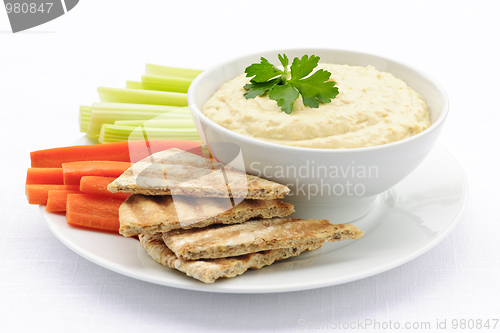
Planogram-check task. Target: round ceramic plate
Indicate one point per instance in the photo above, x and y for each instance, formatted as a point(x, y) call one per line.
point(405, 222)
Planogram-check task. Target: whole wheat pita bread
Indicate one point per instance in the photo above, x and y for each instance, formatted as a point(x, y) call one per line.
point(253, 236)
point(151, 214)
point(209, 270)
point(176, 172)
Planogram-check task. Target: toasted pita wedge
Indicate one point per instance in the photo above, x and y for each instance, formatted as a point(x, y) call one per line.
point(176, 172)
point(209, 270)
point(151, 214)
point(254, 236)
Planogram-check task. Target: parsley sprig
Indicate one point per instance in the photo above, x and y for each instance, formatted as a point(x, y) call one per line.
point(285, 86)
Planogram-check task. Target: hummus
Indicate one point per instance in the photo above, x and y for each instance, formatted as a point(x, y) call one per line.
point(372, 108)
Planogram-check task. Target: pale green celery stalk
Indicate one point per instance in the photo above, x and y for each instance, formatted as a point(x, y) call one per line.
point(108, 113)
point(135, 85)
point(137, 107)
point(84, 117)
point(114, 133)
point(157, 70)
point(164, 123)
point(164, 83)
point(136, 96)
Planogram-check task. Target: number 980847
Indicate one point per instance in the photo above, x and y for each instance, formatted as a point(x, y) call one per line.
point(26, 8)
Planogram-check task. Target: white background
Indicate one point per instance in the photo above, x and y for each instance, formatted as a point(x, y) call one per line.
point(47, 72)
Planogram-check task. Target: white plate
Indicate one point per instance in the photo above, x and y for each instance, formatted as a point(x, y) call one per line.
point(407, 221)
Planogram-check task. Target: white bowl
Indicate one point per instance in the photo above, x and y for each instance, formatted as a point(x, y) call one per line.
point(349, 196)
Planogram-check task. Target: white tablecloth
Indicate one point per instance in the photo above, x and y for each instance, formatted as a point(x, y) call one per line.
point(47, 72)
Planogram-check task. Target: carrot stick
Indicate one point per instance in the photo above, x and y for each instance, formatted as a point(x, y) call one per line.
point(74, 171)
point(44, 176)
point(56, 201)
point(38, 194)
point(93, 212)
point(126, 151)
point(99, 186)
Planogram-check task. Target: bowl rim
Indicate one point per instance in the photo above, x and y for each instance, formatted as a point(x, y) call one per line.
point(196, 111)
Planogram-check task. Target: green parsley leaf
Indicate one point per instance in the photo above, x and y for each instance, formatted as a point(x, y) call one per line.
point(285, 86)
point(255, 89)
point(316, 88)
point(284, 61)
point(262, 72)
point(285, 96)
point(303, 67)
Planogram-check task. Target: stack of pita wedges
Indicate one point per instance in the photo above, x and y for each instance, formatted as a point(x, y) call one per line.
point(210, 220)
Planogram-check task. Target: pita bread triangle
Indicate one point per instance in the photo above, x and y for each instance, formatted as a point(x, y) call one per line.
point(176, 172)
point(217, 241)
point(211, 269)
point(161, 213)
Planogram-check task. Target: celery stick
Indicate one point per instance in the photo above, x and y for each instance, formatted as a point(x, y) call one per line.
point(137, 107)
point(163, 83)
point(110, 117)
point(113, 133)
point(136, 96)
point(157, 70)
point(84, 117)
point(170, 123)
point(108, 113)
point(162, 133)
point(135, 85)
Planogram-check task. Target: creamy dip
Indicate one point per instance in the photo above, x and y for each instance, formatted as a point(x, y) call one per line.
point(372, 108)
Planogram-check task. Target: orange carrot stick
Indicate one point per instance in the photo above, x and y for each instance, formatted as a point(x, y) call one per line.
point(99, 186)
point(38, 194)
point(56, 201)
point(126, 151)
point(93, 212)
point(74, 171)
point(44, 176)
